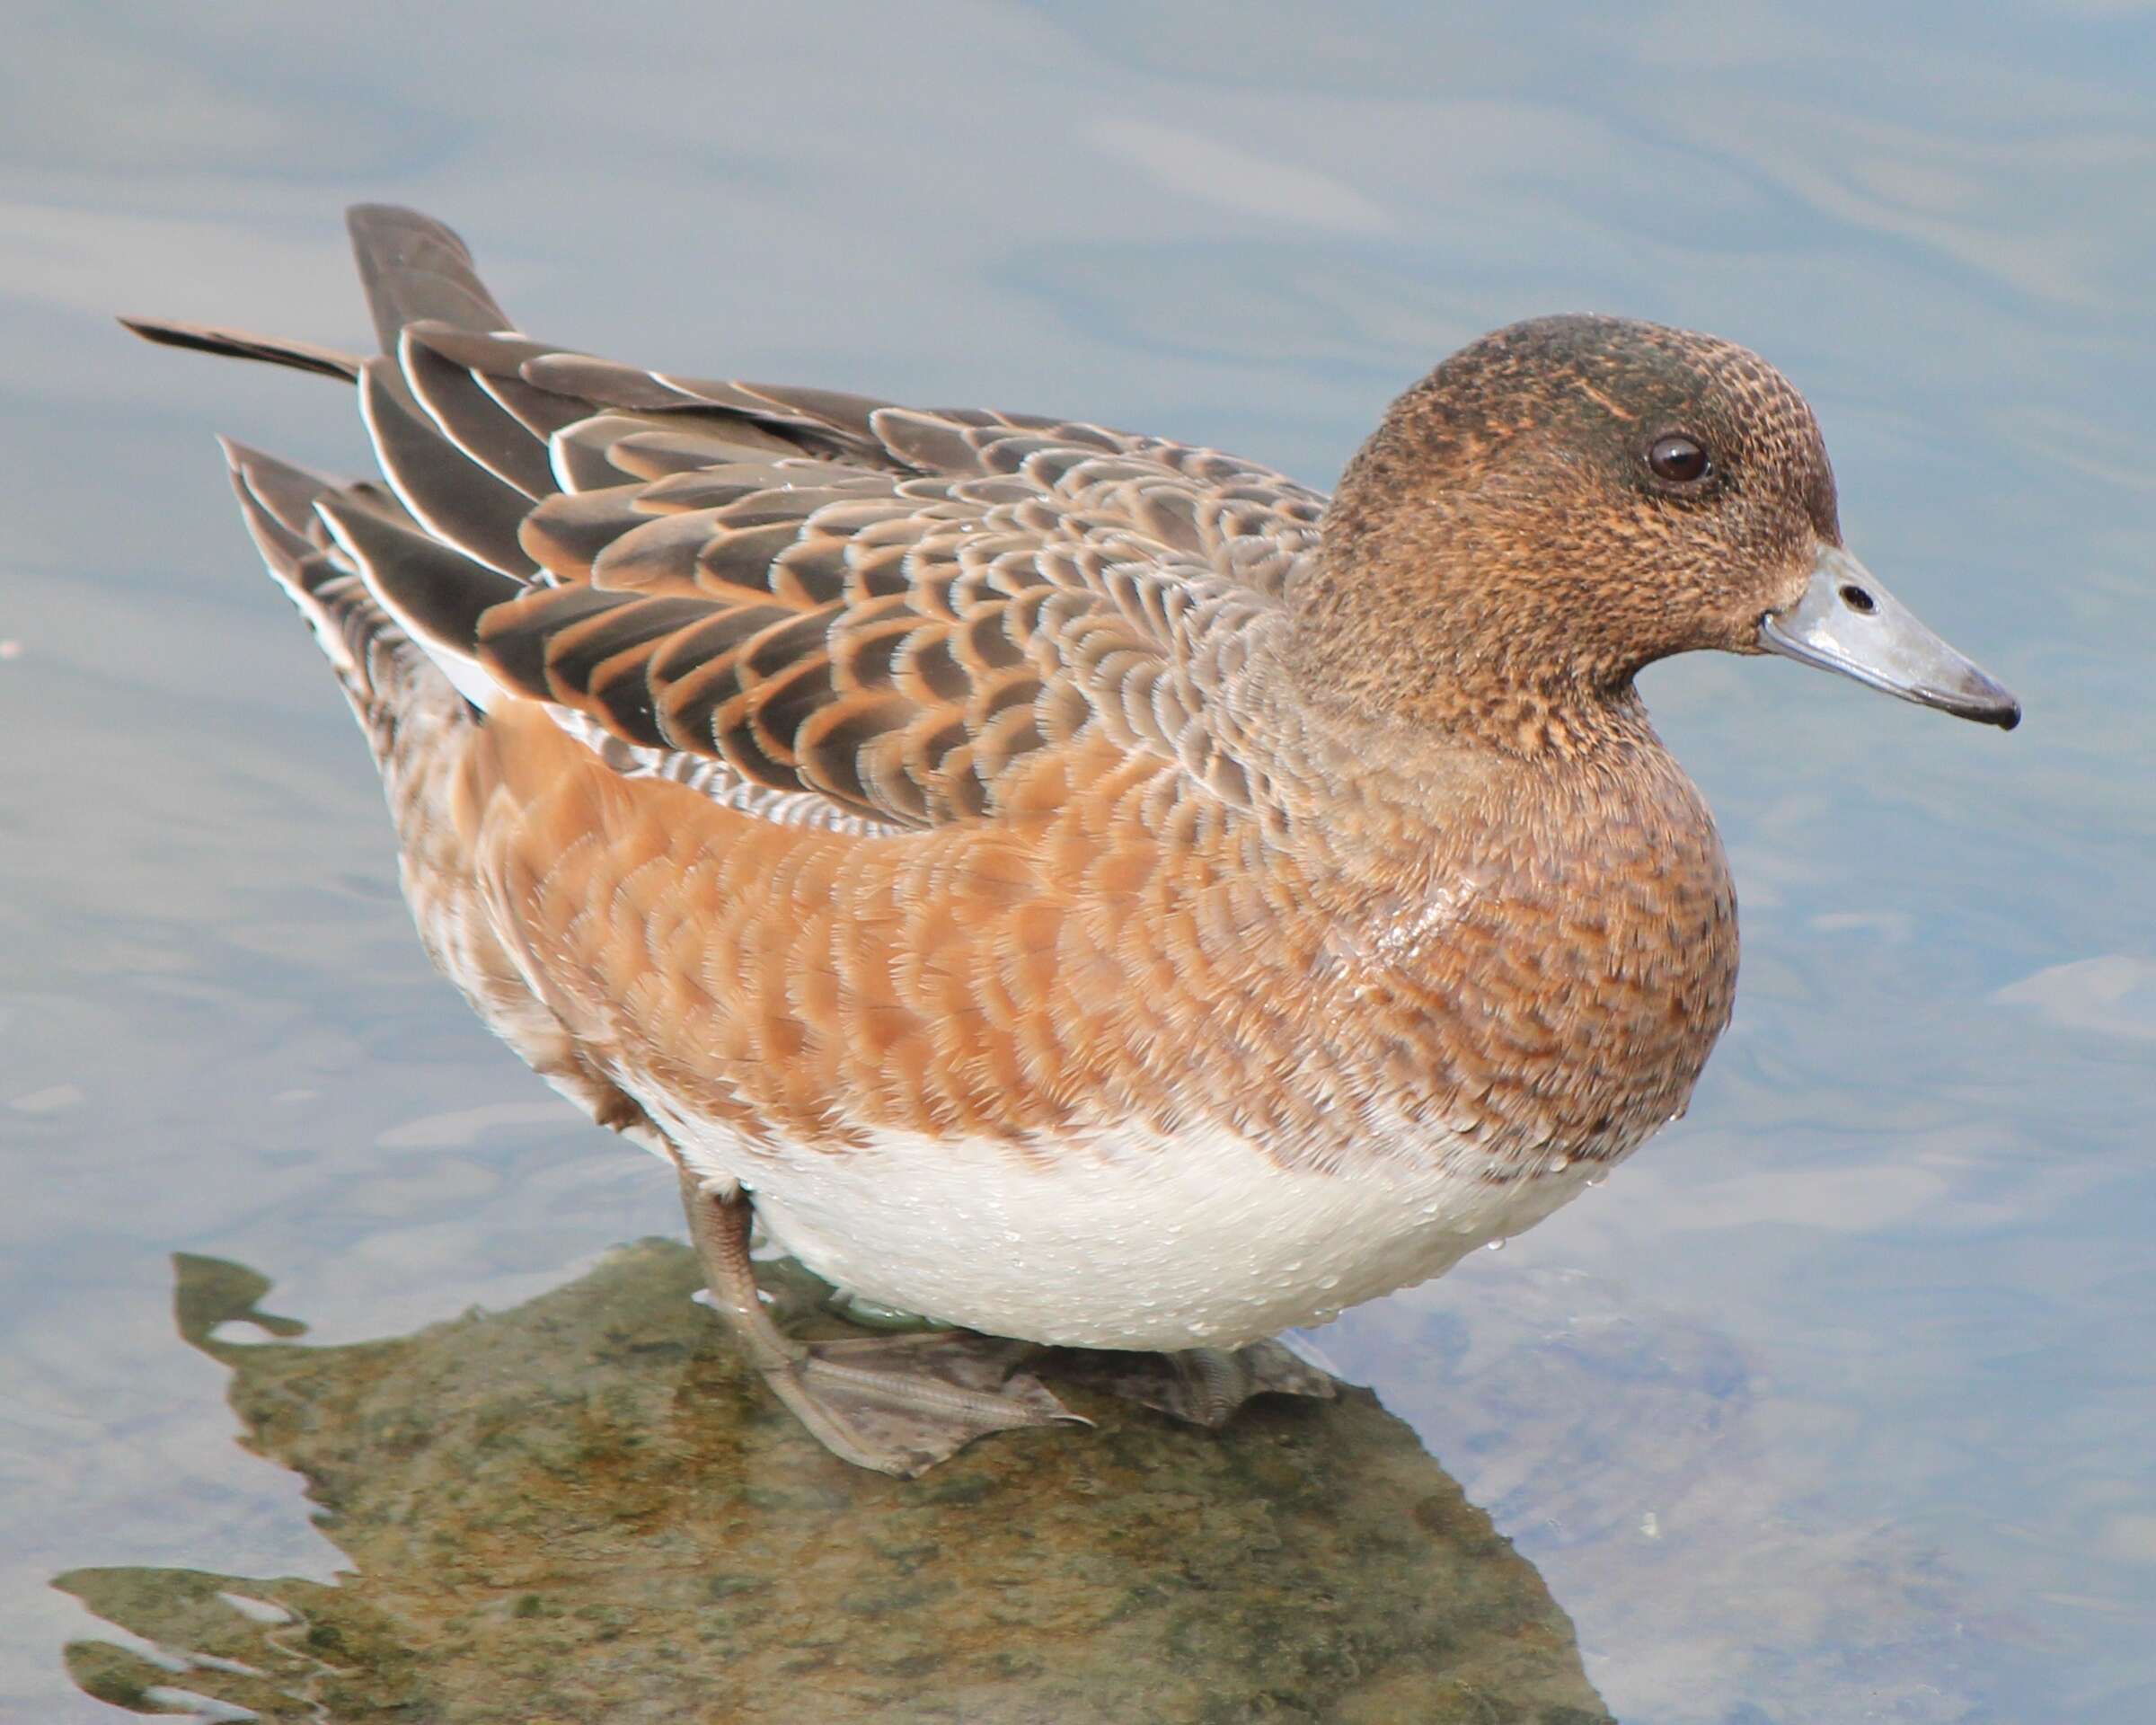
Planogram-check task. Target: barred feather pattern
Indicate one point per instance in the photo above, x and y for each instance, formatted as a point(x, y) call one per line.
point(892, 629)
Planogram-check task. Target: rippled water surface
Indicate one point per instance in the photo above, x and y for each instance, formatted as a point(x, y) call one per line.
point(1833, 1404)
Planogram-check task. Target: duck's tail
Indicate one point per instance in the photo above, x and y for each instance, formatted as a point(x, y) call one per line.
point(350, 553)
point(391, 575)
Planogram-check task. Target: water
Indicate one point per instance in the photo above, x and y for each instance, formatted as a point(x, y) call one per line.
point(1832, 1404)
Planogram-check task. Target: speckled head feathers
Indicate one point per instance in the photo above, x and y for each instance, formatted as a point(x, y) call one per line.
point(1516, 541)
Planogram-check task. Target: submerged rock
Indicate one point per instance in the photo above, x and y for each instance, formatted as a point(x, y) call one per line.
point(587, 1510)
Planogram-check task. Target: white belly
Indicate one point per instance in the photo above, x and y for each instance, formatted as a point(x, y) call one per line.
point(1129, 1243)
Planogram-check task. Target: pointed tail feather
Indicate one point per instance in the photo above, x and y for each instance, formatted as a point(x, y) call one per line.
point(244, 344)
point(415, 269)
point(392, 585)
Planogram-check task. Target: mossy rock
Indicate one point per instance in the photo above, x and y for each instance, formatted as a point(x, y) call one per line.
point(587, 1510)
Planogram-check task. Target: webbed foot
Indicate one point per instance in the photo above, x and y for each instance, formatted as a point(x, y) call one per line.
point(898, 1404)
point(901, 1404)
point(1205, 1385)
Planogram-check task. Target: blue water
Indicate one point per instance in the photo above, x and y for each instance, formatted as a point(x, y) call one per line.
point(1834, 1404)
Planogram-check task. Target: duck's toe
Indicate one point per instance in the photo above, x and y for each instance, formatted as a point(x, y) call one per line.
point(901, 1404)
point(1205, 1385)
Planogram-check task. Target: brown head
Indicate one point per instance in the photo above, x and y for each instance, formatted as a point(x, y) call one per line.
point(1565, 501)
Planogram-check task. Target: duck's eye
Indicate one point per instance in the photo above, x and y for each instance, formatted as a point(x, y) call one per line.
point(1679, 459)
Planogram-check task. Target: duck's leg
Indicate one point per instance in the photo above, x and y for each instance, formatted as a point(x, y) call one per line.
point(898, 1404)
point(1205, 1385)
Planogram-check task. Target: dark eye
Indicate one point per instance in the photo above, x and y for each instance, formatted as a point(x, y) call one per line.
point(1679, 459)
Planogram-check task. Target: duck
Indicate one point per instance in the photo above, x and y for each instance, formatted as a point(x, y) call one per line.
point(1079, 888)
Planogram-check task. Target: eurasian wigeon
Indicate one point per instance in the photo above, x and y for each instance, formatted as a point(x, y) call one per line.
point(1063, 884)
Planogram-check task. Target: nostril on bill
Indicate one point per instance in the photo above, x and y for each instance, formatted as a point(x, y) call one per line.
point(1858, 600)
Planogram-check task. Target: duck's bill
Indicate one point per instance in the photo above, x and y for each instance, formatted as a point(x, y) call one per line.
point(1847, 621)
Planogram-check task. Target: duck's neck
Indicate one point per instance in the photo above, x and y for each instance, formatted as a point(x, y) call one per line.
point(1439, 619)
point(1423, 689)
point(1389, 800)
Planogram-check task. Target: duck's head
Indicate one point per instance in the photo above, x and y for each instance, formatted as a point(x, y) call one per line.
point(1570, 498)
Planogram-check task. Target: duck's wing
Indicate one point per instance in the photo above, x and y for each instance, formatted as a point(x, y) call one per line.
point(816, 606)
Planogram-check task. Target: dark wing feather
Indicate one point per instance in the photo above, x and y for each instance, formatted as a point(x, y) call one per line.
point(456, 496)
point(475, 420)
point(814, 605)
point(374, 656)
point(894, 644)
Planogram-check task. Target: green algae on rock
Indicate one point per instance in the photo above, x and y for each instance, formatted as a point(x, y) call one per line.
point(588, 1509)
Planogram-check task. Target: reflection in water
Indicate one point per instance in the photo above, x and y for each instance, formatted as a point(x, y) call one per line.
point(586, 1508)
